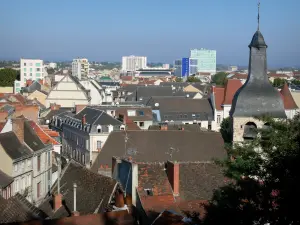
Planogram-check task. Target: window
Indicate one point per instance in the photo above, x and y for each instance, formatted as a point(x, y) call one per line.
point(30, 69)
point(149, 192)
point(83, 159)
point(16, 167)
point(25, 74)
point(23, 165)
point(209, 127)
point(37, 64)
point(142, 124)
point(112, 113)
point(28, 162)
point(218, 118)
point(24, 69)
point(38, 192)
point(131, 113)
point(23, 183)
point(37, 74)
point(24, 64)
point(99, 128)
point(185, 116)
point(31, 74)
point(39, 163)
point(141, 113)
point(99, 144)
point(30, 64)
point(16, 185)
point(38, 69)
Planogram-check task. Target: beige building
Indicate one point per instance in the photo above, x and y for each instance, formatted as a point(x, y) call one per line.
point(6, 89)
point(80, 68)
point(68, 92)
point(38, 95)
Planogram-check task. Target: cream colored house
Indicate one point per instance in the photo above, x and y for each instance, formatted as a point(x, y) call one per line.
point(68, 92)
point(40, 96)
point(191, 88)
point(6, 89)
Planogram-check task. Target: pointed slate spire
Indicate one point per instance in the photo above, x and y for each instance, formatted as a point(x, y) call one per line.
point(257, 96)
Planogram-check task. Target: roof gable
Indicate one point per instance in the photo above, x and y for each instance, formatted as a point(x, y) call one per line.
point(288, 100)
point(231, 88)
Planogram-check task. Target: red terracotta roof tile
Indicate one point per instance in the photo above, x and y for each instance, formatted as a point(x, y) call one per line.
point(239, 76)
point(219, 94)
point(45, 138)
point(231, 88)
point(127, 78)
point(277, 75)
point(288, 100)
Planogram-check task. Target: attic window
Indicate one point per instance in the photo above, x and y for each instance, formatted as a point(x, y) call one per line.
point(185, 116)
point(149, 191)
point(99, 129)
point(141, 113)
point(197, 115)
point(193, 115)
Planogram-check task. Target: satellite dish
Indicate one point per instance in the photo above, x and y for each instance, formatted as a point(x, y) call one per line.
point(156, 104)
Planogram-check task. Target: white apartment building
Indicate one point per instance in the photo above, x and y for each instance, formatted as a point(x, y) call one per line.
point(133, 63)
point(30, 69)
point(80, 68)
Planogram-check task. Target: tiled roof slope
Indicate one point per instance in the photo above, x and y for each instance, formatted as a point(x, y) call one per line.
point(5, 180)
point(13, 147)
point(198, 180)
point(93, 191)
point(156, 146)
point(18, 209)
point(42, 134)
point(231, 88)
point(31, 138)
point(288, 100)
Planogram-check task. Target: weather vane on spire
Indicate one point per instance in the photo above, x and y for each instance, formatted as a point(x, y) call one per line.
point(258, 5)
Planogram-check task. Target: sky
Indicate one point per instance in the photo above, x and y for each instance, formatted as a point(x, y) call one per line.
point(162, 30)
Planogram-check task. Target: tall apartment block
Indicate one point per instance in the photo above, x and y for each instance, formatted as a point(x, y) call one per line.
point(30, 69)
point(207, 59)
point(133, 63)
point(80, 68)
point(185, 67)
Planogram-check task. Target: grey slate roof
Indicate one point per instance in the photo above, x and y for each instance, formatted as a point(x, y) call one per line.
point(257, 96)
point(155, 146)
point(31, 138)
point(5, 180)
point(93, 192)
point(35, 86)
point(185, 127)
point(182, 109)
point(60, 112)
point(18, 209)
point(13, 147)
point(97, 116)
point(145, 92)
point(198, 180)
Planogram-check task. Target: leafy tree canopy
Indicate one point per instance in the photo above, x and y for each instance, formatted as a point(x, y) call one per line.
point(7, 77)
point(265, 175)
point(178, 79)
point(278, 82)
point(295, 81)
point(220, 78)
point(193, 79)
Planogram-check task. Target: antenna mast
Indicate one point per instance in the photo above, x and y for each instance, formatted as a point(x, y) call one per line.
point(258, 16)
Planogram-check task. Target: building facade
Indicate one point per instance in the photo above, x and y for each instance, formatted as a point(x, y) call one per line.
point(30, 69)
point(80, 68)
point(133, 63)
point(206, 59)
point(185, 67)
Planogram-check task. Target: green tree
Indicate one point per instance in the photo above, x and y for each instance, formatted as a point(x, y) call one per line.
point(50, 71)
point(278, 82)
point(295, 81)
point(193, 79)
point(7, 77)
point(265, 179)
point(178, 79)
point(220, 78)
point(226, 130)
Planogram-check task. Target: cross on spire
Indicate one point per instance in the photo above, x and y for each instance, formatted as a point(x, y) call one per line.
point(258, 5)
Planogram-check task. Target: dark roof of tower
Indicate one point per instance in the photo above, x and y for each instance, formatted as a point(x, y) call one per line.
point(257, 96)
point(258, 40)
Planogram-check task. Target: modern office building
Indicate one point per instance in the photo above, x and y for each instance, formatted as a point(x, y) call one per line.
point(30, 69)
point(80, 68)
point(207, 59)
point(133, 63)
point(185, 67)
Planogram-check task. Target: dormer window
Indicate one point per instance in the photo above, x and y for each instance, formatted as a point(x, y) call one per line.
point(99, 129)
point(149, 191)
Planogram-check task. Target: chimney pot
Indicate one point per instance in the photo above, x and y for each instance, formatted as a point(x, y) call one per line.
point(57, 201)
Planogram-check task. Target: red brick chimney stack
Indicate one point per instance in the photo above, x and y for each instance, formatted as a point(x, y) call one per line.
point(57, 201)
point(83, 120)
point(164, 126)
point(120, 200)
point(18, 127)
point(173, 176)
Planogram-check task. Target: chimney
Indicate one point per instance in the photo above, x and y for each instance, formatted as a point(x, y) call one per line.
point(83, 120)
point(53, 106)
point(115, 163)
point(57, 202)
point(164, 126)
point(173, 176)
point(120, 200)
point(75, 212)
point(18, 127)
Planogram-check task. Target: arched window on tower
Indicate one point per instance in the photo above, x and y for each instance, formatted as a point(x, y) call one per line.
point(250, 131)
point(99, 129)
